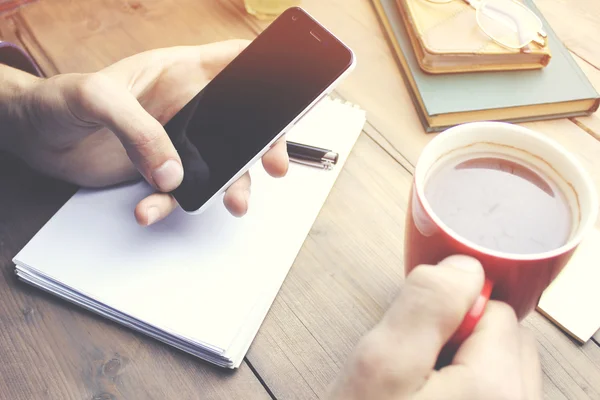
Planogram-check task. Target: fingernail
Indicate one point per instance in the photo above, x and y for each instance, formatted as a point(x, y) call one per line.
point(153, 214)
point(465, 263)
point(168, 176)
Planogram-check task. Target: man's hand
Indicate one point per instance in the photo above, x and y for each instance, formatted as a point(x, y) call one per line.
point(397, 359)
point(106, 128)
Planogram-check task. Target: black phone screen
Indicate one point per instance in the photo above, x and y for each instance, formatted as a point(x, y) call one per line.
point(251, 101)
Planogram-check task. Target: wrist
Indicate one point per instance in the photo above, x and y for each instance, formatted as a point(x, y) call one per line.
point(15, 85)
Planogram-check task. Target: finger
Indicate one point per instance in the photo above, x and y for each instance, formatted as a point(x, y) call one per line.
point(215, 56)
point(154, 208)
point(237, 196)
point(96, 98)
point(499, 326)
point(276, 160)
point(531, 370)
point(487, 362)
point(402, 349)
point(206, 61)
point(432, 304)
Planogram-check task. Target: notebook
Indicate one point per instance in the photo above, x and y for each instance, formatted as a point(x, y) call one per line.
point(571, 301)
point(559, 90)
point(200, 283)
point(447, 38)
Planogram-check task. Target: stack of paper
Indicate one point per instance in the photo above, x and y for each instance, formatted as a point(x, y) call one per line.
point(200, 283)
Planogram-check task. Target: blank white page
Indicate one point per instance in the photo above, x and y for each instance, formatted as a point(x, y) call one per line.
point(197, 277)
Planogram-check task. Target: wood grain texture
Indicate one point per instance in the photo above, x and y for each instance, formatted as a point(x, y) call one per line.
point(10, 5)
point(349, 269)
point(570, 369)
point(577, 23)
point(87, 36)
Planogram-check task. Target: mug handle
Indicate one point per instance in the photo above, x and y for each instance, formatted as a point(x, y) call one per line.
point(473, 316)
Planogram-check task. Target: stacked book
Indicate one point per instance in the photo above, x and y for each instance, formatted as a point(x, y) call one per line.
point(458, 74)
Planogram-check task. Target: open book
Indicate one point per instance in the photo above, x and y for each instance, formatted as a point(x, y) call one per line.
point(201, 283)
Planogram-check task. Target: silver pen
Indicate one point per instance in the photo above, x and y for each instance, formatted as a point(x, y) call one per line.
point(311, 155)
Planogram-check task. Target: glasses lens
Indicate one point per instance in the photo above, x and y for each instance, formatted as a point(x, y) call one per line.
point(508, 22)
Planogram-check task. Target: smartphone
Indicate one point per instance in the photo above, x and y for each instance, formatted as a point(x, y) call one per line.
point(252, 102)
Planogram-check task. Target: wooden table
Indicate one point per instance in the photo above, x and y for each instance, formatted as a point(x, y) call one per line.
point(350, 267)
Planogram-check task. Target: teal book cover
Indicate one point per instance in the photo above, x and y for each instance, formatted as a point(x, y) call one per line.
point(561, 89)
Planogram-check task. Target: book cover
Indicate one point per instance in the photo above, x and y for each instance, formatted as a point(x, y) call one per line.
point(447, 38)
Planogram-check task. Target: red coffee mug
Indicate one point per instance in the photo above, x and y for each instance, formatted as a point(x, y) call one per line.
point(517, 279)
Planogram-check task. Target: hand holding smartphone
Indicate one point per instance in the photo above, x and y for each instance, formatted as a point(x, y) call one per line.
point(258, 97)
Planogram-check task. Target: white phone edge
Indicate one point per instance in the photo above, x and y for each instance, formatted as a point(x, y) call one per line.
point(248, 165)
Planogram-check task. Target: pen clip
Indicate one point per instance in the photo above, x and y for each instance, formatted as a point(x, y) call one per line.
point(324, 164)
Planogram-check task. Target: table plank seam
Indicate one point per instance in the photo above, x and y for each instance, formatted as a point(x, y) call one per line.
point(585, 128)
point(310, 332)
point(555, 385)
point(394, 154)
point(260, 379)
point(28, 40)
point(591, 64)
point(292, 364)
point(380, 140)
point(578, 382)
point(554, 382)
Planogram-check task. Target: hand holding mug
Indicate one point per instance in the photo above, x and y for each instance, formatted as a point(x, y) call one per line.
point(397, 358)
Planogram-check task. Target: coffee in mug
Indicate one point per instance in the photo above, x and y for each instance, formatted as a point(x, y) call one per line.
point(500, 203)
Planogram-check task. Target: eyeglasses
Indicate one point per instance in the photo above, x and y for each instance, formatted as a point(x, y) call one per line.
point(507, 22)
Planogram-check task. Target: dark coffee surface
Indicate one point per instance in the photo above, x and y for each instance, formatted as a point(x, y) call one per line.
point(500, 204)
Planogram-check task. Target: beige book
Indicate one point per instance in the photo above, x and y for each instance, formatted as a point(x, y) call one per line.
point(446, 39)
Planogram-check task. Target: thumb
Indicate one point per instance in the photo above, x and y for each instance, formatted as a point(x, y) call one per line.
point(433, 303)
point(397, 357)
point(96, 98)
point(429, 309)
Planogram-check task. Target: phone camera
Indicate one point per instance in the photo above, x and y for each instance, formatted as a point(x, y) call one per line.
point(294, 18)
